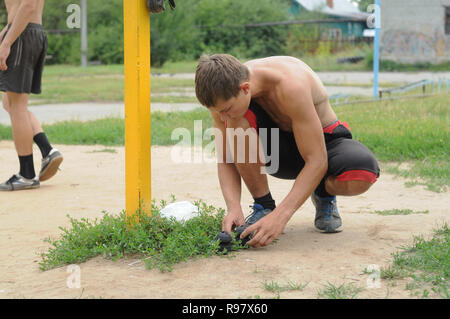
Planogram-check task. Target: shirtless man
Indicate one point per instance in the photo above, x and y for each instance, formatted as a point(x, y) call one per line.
point(23, 46)
point(315, 148)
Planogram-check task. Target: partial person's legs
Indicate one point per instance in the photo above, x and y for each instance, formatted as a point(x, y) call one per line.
point(16, 105)
point(352, 170)
point(51, 158)
point(38, 133)
point(36, 126)
point(247, 154)
point(20, 123)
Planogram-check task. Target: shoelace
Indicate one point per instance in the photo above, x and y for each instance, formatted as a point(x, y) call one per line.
point(12, 179)
point(257, 208)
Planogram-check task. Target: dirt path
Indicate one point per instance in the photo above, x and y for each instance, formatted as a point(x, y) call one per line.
point(92, 181)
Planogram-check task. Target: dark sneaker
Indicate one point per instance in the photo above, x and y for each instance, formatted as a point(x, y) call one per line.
point(18, 182)
point(327, 217)
point(226, 241)
point(50, 165)
point(258, 213)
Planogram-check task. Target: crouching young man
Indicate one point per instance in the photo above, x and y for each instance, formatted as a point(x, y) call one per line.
point(284, 100)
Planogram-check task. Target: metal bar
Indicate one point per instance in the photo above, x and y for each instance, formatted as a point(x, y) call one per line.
point(376, 49)
point(278, 23)
point(84, 39)
point(387, 99)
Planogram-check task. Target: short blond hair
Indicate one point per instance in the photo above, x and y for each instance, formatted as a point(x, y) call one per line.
point(218, 76)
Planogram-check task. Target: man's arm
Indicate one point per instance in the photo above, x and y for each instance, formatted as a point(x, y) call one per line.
point(23, 17)
point(229, 179)
point(2, 33)
point(307, 129)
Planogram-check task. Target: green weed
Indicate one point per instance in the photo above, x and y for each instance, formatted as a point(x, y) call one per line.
point(161, 242)
point(426, 262)
point(344, 291)
point(276, 287)
point(399, 212)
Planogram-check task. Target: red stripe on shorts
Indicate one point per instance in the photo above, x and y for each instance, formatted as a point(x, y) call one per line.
point(330, 128)
point(357, 175)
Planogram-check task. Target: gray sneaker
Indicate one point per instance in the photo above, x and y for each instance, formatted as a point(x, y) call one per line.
point(50, 165)
point(327, 218)
point(18, 182)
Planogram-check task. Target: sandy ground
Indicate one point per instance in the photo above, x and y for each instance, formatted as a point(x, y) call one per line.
point(91, 182)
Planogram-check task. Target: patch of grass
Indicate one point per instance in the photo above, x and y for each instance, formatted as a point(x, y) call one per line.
point(391, 272)
point(164, 85)
point(174, 99)
point(431, 172)
point(426, 262)
point(386, 65)
point(364, 85)
point(108, 132)
point(102, 83)
point(164, 123)
point(344, 291)
point(161, 242)
point(276, 287)
point(399, 212)
point(176, 67)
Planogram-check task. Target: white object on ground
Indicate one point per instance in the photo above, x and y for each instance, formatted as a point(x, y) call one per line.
point(180, 210)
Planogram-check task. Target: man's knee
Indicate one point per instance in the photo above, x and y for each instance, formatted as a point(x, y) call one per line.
point(353, 188)
point(5, 102)
point(16, 102)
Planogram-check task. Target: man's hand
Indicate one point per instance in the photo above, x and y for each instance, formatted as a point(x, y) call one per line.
point(4, 54)
point(233, 219)
point(266, 230)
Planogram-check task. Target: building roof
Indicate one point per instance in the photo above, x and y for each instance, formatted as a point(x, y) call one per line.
point(341, 8)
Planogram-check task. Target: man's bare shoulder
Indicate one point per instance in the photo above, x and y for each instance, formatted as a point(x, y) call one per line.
point(277, 62)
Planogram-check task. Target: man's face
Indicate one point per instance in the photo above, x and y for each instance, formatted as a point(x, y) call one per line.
point(235, 107)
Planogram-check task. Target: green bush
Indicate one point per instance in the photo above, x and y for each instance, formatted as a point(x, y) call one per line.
point(105, 32)
point(210, 26)
point(63, 49)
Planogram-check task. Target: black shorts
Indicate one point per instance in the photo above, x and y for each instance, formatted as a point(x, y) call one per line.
point(26, 61)
point(347, 159)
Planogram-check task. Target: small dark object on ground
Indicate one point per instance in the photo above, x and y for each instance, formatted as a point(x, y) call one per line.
point(353, 59)
point(226, 241)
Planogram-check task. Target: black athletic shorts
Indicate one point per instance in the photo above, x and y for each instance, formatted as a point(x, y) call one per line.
point(26, 61)
point(347, 159)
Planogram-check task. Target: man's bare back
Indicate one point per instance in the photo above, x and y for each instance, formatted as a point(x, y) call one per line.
point(12, 7)
point(282, 71)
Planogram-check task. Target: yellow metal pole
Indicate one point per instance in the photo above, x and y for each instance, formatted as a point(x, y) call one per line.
point(137, 106)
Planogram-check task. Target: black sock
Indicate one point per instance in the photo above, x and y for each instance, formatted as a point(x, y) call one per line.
point(266, 201)
point(320, 190)
point(27, 166)
point(44, 145)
